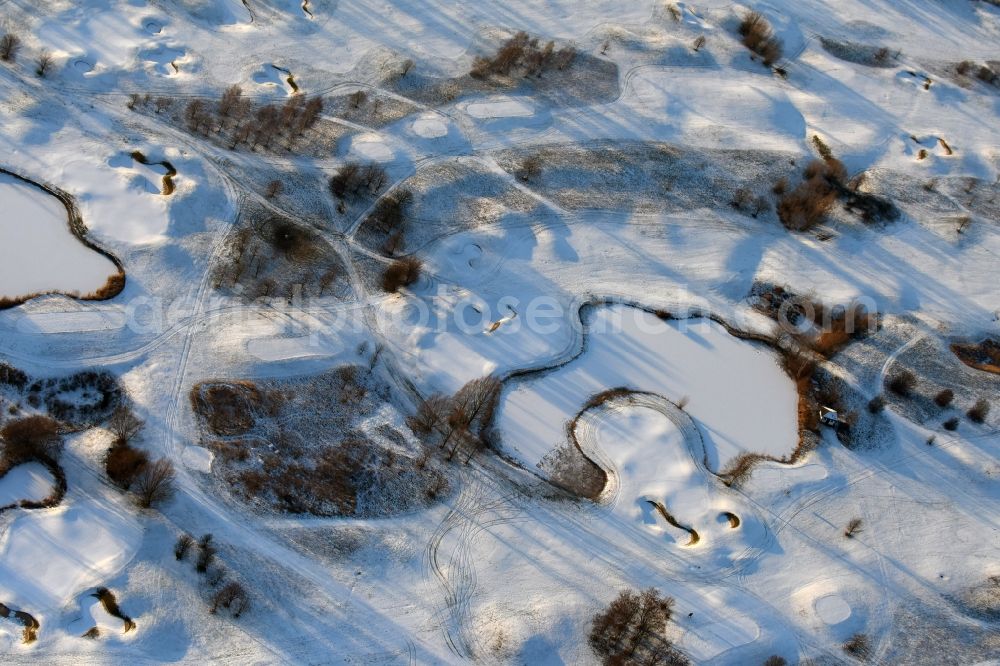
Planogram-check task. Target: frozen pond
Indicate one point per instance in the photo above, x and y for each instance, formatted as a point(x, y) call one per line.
point(38, 253)
point(738, 395)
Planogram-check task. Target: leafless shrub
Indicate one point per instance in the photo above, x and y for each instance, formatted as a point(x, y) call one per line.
point(853, 528)
point(876, 404)
point(183, 545)
point(231, 596)
point(759, 38)
point(738, 470)
point(92, 633)
point(632, 630)
point(155, 483)
point(161, 104)
point(699, 42)
point(858, 646)
point(963, 68)
point(273, 189)
point(124, 424)
point(979, 411)
point(902, 383)
point(9, 45)
point(357, 99)
point(531, 169)
point(44, 63)
point(951, 424)
point(775, 660)
point(31, 438)
point(987, 75)
point(806, 205)
point(944, 398)
point(401, 273)
point(206, 553)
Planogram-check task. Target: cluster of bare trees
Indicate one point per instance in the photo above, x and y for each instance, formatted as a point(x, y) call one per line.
point(759, 37)
point(460, 423)
point(232, 595)
point(632, 631)
point(250, 125)
point(354, 181)
point(151, 482)
point(10, 45)
point(241, 120)
point(522, 54)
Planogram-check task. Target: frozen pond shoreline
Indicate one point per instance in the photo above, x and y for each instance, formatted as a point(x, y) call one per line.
point(38, 252)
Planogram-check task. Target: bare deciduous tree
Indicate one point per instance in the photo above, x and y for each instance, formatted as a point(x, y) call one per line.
point(9, 44)
point(155, 484)
point(274, 188)
point(44, 63)
point(183, 545)
point(206, 553)
point(124, 424)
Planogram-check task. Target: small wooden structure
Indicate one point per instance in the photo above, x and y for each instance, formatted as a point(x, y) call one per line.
point(829, 417)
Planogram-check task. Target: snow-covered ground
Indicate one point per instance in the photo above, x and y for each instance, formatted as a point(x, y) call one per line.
point(642, 146)
point(735, 391)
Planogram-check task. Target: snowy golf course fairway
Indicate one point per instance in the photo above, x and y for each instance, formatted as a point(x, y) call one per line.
point(535, 332)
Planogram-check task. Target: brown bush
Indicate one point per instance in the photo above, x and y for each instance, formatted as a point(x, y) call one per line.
point(31, 438)
point(759, 38)
point(979, 412)
point(853, 528)
point(124, 463)
point(806, 206)
point(876, 404)
point(401, 273)
point(228, 409)
point(983, 356)
point(902, 383)
point(944, 398)
point(951, 424)
point(775, 660)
